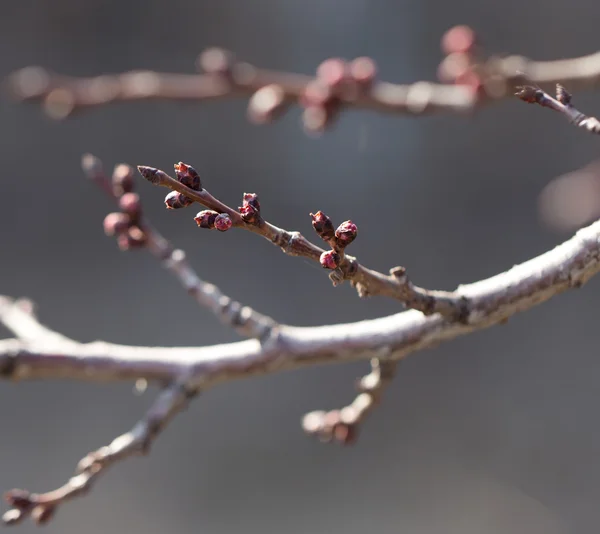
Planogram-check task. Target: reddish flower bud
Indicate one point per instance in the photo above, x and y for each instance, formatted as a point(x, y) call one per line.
point(223, 222)
point(322, 225)
point(122, 179)
point(216, 61)
point(130, 203)
point(18, 498)
point(333, 72)
point(116, 223)
point(316, 94)
point(330, 259)
point(206, 219)
point(345, 233)
point(133, 238)
point(152, 174)
point(363, 71)
point(250, 208)
point(188, 176)
point(458, 39)
point(266, 104)
point(175, 200)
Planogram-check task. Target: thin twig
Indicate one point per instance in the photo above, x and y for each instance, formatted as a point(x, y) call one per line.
point(367, 282)
point(342, 425)
point(42, 506)
point(245, 320)
point(561, 104)
point(62, 95)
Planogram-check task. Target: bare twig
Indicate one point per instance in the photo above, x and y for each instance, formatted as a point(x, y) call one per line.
point(272, 92)
point(42, 506)
point(562, 104)
point(342, 425)
point(367, 282)
point(388, 339)
point(243, 319)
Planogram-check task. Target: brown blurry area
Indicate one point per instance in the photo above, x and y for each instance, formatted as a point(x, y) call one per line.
point(493, 433)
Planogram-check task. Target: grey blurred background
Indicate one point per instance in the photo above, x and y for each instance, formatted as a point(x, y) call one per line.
point(493, 433)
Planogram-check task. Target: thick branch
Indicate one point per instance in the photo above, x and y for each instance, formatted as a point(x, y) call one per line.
point(490, 301)
point(188, 370)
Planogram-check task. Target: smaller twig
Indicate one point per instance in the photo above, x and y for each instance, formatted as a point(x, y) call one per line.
point(138, 232)
point(42, 506)
point(342, 425)
point(561, 104)
point(343, 266)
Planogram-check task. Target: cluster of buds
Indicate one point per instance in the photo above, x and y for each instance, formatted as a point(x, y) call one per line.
point(459, 66)
point(338, 239)
point(337, 81)
point(213, 220)
point(126, 223)
point(188, 176)
point(24, 503)
point(250, 208)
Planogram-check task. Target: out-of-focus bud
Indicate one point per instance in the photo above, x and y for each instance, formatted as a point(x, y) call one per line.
point(116, 223)
point(188, 176)
point(206, 219)
point(41, 514)
point(175, 200)
point(223, 222)
point(330, 259)
point(18, 498)
point(122, 179)
point(333, 73)
point(345, 233)
point(459, 39)
point(266, 104)
point(322, 225)
point(363, 71)
point(216, 61)
point(131, 204)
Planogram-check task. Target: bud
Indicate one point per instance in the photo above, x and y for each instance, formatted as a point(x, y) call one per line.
point(206, 219)
point(130, 204)
point(223, 222)
point(363, 71)
point(188, 176)
point(333, 72)
point(266, 104)
point(250, 208)
point(459, 39)
point(18, 498)
point(316, 94)
point(345, 233)
point(116, 223)
point(152, 174)
point(175, 200)
point(330, 259)
point(133, 238)
point(122, 180)
point(41, 514)
point(216, 61)
point(322, 225)
point(562, 95)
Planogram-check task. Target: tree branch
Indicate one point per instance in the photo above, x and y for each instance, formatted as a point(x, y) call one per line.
point(367, 281)
point(133, 230)
point(338, 85)
point(191, 369)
